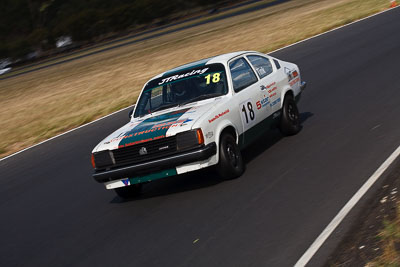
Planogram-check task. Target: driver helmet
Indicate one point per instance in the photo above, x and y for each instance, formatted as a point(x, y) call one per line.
point(179, 90)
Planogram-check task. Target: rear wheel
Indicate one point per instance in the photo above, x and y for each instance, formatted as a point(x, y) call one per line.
point(129, 191)
point(230, 163)
point(290, 120)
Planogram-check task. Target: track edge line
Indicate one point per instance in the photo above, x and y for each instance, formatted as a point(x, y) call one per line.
point(64, 133)
point(310, 252)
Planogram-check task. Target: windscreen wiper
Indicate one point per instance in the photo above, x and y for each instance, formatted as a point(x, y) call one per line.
point(200, 97)
point(164, 107)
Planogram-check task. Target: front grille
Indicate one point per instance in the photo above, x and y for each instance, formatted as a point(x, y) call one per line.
point(154, 149)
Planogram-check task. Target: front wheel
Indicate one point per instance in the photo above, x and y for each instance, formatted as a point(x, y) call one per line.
point(290, 120)
point(230, 163)
point(129, 191)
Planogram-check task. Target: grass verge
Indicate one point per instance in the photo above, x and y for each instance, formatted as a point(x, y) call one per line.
point(390, 243)
point(39, 105)
point(374, 237)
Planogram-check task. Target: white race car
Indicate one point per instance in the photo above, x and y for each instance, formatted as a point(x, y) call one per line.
point(199, 115)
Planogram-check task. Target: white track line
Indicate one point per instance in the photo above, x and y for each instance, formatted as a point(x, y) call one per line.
point(334, 29)
point(54, 137)
point(345, 210)
point(312, 37)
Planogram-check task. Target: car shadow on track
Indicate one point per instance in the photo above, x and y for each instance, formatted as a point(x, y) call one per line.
point(206, 177)
point(267, 140)
point(176, 184)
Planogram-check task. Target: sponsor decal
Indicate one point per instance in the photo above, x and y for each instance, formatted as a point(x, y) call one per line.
point(152, 128)
point(263, 87)
point(294, 81)
point(169, 124)
point(141, 141)
point(276, 101)
point(178, 77)
point(126, 182)
point(270, 91)
point(119, 138)
point(186, 121)
point(218, 116)
point(270, 85)
point(209, 134)
point(263, 102)
point(261, 71)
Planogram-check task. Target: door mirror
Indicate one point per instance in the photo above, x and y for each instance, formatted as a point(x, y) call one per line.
point(130, 114)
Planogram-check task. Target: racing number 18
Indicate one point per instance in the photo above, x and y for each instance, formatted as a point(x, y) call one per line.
point(215, 78)
point(250, 111)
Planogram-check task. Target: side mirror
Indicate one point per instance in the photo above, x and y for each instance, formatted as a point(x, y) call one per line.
point(130, 114)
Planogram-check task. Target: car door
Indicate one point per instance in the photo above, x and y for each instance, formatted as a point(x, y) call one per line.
point(246, 86)
point(271, 84)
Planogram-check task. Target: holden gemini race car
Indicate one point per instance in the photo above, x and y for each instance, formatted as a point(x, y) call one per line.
point(199, 115)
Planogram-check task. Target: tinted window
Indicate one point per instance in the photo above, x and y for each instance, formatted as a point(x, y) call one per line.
point(242, 74)
point(261, 64)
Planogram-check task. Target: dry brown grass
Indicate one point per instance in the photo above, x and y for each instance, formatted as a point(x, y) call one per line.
point(41, 104)
point(390, 239)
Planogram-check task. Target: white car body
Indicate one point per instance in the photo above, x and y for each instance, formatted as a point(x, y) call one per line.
point(5, 70)
point(245, 113)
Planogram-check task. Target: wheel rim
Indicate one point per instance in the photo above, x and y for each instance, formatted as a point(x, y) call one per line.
point(232, 155)
point(292, 113)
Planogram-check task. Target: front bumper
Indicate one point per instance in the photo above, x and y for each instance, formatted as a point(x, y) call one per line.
point(198, 154)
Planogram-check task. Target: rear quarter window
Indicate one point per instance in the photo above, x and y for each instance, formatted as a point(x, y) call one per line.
point(262, 65)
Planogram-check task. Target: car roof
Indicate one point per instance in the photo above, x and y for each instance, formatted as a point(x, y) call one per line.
point(199, 63)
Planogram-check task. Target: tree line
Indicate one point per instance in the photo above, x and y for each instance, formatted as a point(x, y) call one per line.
point(30, 25)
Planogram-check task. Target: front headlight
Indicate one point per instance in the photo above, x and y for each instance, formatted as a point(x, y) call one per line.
point(102, 159)
point(189, 139)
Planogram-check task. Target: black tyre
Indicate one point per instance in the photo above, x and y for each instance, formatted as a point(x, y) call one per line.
point(290, 120)
point(127, 192)
point(230, 163)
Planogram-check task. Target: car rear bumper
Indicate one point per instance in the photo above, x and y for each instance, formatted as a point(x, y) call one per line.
point(198, 154)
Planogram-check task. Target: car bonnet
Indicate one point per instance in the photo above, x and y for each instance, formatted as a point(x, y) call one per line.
point(154, 127)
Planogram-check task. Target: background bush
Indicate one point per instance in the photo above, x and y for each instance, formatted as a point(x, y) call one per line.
point(28, 25)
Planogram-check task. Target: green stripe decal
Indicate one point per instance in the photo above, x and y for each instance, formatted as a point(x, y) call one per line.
point(152, 129)
point(153, 176)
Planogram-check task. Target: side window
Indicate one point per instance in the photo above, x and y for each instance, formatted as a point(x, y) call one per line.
point(261, 64)
point(242, 74)
point(278, 66)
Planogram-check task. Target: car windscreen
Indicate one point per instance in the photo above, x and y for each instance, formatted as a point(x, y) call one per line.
point(182, 87)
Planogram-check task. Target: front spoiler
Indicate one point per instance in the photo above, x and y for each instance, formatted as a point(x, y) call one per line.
point(199, 154)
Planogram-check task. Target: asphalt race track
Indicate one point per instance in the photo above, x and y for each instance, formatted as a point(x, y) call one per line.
point(54, 214)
